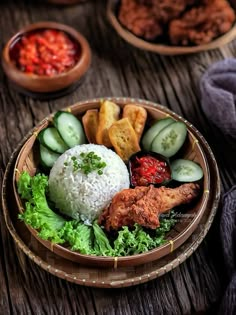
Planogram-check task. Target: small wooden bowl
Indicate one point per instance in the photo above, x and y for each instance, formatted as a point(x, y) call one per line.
point(42, 83)
point(28, 160)
point(164, 49)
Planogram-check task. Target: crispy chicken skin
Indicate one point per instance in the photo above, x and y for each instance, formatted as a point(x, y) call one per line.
point(143, 205)
point(187, 21)
point(139, 19)
point(201, 24)
point(145, 18)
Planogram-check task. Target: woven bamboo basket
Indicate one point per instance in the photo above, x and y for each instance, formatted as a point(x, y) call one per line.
point(92, 275)
point(28, 159)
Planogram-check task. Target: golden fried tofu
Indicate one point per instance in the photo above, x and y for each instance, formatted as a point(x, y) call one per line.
point(90, 124)
point(108, 114)
point(124, 138)
point(137, 116)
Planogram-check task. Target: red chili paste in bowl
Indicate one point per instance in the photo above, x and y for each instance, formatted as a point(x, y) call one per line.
point(45, 52)
point(149, 168)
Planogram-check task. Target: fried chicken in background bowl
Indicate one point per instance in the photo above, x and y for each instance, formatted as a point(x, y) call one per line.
point(177, 22)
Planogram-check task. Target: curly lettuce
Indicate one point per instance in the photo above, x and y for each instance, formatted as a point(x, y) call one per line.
point(37, 213)
point(139, 241)
point(79, 236)
point(89, 240)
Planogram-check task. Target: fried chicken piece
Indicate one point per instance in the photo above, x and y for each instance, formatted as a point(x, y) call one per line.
point(166, 10)
point(117, 212)
point(143, 205)
point(160, 200)
point(145, 18)
point(149, 18)
point(139, 19)
point(201, 24)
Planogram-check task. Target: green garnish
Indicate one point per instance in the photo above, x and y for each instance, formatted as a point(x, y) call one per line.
point(75, 163)
point(138, 240)
point(90, 162)
point(87, 239)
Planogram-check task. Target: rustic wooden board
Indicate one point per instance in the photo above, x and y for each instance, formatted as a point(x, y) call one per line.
point(121, 70)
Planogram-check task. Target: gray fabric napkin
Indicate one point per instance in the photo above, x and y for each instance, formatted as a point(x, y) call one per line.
point(228, 238)
point(218, 90)
point(218, 97)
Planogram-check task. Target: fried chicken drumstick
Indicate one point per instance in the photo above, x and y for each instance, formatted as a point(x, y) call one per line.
point(143, 205)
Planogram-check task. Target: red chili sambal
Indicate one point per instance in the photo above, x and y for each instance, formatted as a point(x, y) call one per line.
point(45, 52)
point(146, 169)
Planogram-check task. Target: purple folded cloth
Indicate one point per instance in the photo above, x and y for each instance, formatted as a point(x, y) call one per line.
point(228, 239)
point(218, 95)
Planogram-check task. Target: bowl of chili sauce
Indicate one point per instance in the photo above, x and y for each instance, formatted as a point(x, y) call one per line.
point(149, 168)
point(46, 57)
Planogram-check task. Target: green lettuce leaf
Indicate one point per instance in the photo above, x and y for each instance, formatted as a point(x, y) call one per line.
point(132, 242)
point(37, 213)
point(136, 241)
point(24, 186)
point(89, 240)
point(79, 236)
point(101, 243)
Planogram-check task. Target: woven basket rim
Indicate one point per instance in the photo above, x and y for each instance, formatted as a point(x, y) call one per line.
point(145, 277)
point(147, 103)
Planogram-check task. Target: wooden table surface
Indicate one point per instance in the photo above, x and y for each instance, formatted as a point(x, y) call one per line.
point(117, 70)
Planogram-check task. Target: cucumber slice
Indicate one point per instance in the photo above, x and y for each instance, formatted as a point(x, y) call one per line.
point(186, 171)
point(153, 131)
point(47, 157)
point(170, 139)
point(70, 128)
point(51, 139)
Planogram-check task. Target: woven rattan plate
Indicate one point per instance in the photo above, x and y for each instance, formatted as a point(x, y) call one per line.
point(106, 277)
point(28, 159)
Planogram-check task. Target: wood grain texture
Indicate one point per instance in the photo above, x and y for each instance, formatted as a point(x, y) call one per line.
point(117, 70)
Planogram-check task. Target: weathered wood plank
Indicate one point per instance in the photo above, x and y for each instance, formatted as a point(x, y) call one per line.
point(118, 69)
point(5, 302)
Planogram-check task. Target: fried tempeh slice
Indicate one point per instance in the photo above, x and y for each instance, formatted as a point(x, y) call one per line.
point(90, 124)
point(137, 116)
point(124, 138)
point(108, 114)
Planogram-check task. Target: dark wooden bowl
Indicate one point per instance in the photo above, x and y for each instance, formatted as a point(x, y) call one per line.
point(28, 160)
point(45, 84)
point(164, 49)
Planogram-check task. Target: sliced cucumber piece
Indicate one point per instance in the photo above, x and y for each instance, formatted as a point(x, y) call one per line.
point(170, 139)
point(153, 131)
point(186, 171)
point(51, 139)
point(70, 128)
point(47, 157)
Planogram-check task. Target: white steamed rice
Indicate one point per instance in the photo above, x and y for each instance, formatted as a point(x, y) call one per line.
point(83, 196)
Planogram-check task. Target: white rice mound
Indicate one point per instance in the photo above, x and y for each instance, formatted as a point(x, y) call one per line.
point(82, 196)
